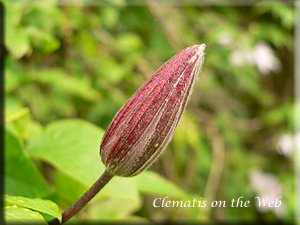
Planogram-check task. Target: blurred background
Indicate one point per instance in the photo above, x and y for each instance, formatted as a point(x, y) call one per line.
point(85, 61)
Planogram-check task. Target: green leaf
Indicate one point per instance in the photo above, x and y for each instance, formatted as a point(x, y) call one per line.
point(77, 86)
point(40, 205)
point(17, 42)
point(14, 75)
point(18, 121)
point(16, 115)
point(152, 183)
point(109, 204)
point(12, 103)
point(42, 41)
point(18, 215)
point(129, 43)
point(16, 38)
point(109, 16)
point(22, 178)
point(110, 209)
point(72, 146)
point(70, 189)
point(33, 128)
point(37, 16)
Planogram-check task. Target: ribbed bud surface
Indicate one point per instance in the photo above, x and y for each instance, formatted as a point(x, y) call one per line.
point(144, 125)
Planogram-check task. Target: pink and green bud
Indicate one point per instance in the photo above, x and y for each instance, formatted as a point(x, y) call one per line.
point(143, 127)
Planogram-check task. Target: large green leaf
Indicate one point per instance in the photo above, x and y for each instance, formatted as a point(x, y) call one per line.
point(16, 215)
point(21, 176)
point(152, 183)
point(72, 146)
point(40, 205)
point(110, 203)
point(110, 209)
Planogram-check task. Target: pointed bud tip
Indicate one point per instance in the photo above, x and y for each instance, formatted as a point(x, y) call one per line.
point(201, 48)
point(198, 52)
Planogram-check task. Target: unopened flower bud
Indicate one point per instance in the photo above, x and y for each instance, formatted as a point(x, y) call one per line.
point(143, 127)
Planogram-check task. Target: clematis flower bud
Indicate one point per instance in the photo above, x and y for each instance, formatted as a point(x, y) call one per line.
point(144, 125)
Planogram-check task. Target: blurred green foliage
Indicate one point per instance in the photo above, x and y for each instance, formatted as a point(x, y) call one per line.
point(70, 67)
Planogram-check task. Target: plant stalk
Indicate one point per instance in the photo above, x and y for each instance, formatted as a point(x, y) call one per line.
point(84, 199)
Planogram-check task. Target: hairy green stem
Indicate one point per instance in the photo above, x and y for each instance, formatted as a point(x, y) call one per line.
point(84, 199)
